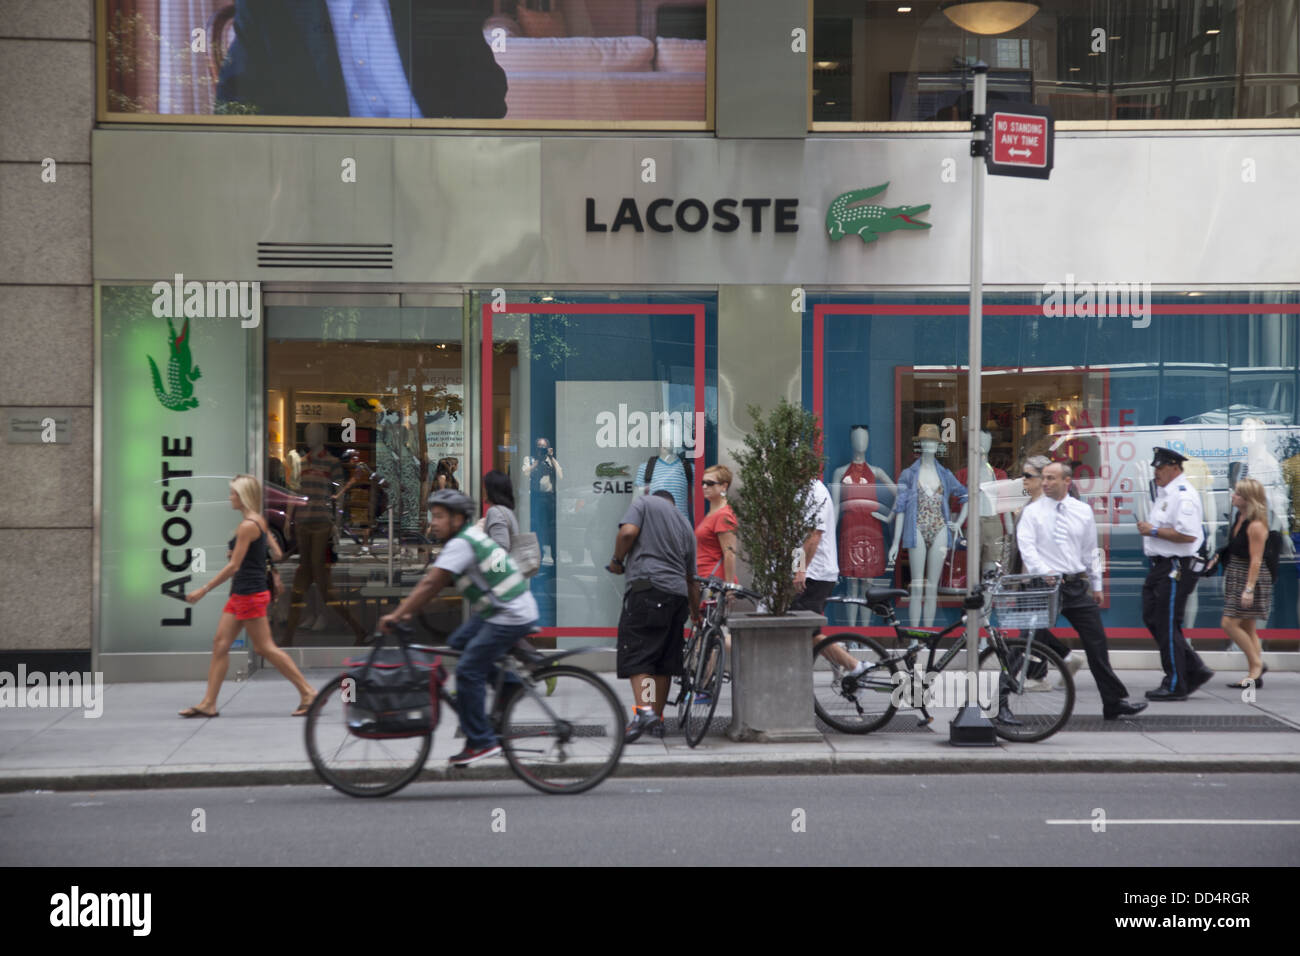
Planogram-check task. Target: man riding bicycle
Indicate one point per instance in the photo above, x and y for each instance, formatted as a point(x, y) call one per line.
point(502, 612)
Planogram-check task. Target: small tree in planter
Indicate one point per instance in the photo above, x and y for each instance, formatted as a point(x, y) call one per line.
point(781, 457)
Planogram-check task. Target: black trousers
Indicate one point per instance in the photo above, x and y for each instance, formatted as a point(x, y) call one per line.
point(1163, 602)
point(1078, 607)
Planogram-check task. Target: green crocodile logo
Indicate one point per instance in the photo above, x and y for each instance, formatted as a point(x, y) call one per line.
point(181, 371)
point(607, 469)
point(845, 217)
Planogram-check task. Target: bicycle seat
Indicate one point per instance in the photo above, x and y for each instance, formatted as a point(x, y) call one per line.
point(882, 595)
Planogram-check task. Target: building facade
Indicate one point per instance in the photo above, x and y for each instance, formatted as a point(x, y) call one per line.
point(558, 239)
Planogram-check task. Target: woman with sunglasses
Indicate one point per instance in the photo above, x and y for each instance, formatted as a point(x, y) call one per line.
point(1032, 473)
point(715, 536)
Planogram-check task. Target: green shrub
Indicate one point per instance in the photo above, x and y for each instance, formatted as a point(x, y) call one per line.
point(781, 457)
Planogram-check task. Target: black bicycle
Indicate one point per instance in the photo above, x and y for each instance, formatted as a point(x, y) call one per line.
point(561, 727)
point(858, 685)
point(703, 659)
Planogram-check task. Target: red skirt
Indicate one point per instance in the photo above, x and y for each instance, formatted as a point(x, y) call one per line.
point(245, 607)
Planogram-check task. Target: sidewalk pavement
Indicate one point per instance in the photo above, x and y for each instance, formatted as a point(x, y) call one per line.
point(140, 742)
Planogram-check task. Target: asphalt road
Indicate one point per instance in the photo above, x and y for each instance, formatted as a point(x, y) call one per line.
point(995, 820)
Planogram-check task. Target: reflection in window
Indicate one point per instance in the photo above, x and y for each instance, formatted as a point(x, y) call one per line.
point(1086, 59)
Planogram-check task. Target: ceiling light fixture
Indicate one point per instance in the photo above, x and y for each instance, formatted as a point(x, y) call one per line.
point(1212, 33)
point(989, 17)
point(904, 9)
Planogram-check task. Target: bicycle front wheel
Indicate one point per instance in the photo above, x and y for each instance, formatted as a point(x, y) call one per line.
point(853, 705)
point(358, 766)
point(566, 742)
point(1028, 707)
point(706, 687)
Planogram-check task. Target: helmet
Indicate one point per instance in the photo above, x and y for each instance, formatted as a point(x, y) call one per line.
point(454, 502)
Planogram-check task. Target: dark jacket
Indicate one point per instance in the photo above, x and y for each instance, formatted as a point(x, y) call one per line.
point(284, 61)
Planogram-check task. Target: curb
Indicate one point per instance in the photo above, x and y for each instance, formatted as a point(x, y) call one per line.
point(269, 775)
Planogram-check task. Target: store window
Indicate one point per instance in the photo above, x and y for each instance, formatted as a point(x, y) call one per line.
point(410, 62)
point(366, 413)
point(585, 391)
point(1161, 60)
point(1212, 376)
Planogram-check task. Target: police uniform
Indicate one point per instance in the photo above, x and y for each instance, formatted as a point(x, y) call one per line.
point(1172, 579)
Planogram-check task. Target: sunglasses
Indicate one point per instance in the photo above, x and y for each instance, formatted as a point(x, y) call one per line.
point(709, 484)
point(1028, 475)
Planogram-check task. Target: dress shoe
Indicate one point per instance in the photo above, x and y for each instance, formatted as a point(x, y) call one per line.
point(1198, 679)
point(1123, 709)
point(1006, 717)
point(1256, 682)
point(1164, 693)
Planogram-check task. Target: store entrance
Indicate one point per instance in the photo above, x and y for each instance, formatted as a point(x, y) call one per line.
point(365, 415)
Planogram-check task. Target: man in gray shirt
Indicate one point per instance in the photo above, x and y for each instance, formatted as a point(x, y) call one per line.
point(655, 548)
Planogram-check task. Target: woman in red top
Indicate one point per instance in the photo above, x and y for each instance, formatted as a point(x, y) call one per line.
point(715, 536)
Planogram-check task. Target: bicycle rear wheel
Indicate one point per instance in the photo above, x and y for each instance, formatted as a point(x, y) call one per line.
point(706, 687)
point(566, 742)
point(359, 766)
point(686, 680)
point(1028, 709)
point(854, 705)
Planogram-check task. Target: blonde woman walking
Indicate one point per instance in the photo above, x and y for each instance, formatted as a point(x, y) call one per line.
point(1247, 584)
point(248, 601)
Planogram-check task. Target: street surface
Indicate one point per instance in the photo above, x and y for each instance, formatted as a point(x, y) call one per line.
point(878, 821)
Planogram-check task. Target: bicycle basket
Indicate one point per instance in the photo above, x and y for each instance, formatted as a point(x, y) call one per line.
point(1025, 602)
point(394, 693)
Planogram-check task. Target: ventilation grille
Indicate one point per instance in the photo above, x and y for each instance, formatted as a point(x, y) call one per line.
point(325, 255)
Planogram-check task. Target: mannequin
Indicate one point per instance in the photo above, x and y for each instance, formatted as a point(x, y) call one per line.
point(924, 525)
point(1037, 441)
point(863, 495)
point(1267, 470)
point(995, 544)
point(315, 529)
point(671, 473)
point(397, 460)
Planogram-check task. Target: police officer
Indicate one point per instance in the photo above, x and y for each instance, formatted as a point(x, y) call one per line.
point(1171, 540)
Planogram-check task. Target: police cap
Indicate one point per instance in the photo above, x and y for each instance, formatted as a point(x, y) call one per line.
point(1166, 456)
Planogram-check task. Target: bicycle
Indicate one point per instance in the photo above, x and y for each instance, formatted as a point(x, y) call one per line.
point(561, 727)
point(859, 704)
point(700, 682)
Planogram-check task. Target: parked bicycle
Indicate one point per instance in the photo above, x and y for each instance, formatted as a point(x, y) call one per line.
point(1035, 688)
point(561, 727)
point(703, 659)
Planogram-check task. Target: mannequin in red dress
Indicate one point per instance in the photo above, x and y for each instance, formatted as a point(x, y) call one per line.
point(863, 496)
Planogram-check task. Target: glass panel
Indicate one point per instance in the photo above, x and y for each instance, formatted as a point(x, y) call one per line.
point(1086, 59)
point(365, 414)
point(582, 60)
point(1101, 393)
point(581, 402)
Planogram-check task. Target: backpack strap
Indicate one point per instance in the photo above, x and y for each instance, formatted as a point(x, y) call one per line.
point(649, 472)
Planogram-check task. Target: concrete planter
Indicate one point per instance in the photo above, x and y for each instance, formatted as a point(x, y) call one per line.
point(771, 677)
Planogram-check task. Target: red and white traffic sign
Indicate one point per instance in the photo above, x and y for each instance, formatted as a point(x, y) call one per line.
point(1019, 142)
point(1019, 139)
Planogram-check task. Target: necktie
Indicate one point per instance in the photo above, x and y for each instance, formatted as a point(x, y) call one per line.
point(1061, 534)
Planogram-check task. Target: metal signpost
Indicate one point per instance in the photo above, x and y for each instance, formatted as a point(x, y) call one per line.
point(1012, 142)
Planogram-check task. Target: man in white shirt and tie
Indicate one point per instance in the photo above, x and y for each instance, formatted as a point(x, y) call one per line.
point(1057, 535)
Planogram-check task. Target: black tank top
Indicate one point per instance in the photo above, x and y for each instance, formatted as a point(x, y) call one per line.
point(251, 576)
point(1239, 543)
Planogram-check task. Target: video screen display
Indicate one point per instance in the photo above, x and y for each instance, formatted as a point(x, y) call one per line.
point(581, 61)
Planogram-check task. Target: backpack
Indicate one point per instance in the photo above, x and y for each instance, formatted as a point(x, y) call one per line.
point(690, 483)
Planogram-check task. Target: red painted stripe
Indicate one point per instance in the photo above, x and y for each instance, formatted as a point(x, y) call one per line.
point(486, 438)
point(701, 460)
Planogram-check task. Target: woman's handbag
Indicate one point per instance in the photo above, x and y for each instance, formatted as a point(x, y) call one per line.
point(526, 552)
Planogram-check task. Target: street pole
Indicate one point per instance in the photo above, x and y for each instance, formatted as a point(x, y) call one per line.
point(971, 728)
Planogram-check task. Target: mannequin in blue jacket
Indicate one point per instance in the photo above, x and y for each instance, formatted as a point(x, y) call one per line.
point(924, 525)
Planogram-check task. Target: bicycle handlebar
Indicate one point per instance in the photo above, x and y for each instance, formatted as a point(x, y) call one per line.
point(717, 584)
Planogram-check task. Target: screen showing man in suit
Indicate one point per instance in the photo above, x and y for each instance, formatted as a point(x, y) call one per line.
point(409, 60)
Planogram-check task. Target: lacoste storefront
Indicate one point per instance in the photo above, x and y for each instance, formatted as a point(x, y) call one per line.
point(550, 307)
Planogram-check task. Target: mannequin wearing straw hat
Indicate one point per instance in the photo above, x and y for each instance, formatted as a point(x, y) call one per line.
point(924, 525)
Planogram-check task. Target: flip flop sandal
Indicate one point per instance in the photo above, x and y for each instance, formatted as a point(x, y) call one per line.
point(196, 712)
point(303, 708)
